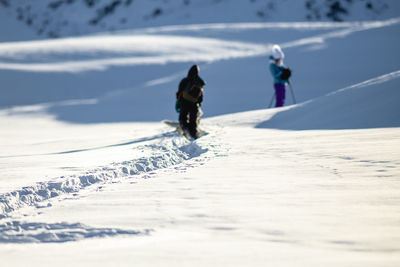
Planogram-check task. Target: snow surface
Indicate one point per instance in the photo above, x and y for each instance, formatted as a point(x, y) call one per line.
point(89, 176)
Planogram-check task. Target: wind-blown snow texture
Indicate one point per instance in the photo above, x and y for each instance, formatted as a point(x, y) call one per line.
point(86, 163)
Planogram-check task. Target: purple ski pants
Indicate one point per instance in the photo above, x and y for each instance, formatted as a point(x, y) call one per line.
point(280, 94)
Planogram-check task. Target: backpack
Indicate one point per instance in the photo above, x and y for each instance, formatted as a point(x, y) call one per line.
point(192, 90)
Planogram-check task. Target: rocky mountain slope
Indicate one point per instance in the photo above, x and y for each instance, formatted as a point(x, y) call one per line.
point(58, 18)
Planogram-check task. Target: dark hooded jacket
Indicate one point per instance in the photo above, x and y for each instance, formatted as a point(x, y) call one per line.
point(191, 87)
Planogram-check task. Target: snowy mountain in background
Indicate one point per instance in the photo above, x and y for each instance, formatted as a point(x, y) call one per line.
point(22, 20)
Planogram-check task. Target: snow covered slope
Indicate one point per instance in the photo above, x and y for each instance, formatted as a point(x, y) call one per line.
point(106, 78)
point(309, 198)
point(370, 104)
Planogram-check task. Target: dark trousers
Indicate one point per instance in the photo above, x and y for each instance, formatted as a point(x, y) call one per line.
point(280, 90)
point(189, 117)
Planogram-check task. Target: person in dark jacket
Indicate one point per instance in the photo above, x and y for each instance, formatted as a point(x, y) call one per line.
point(188, 101)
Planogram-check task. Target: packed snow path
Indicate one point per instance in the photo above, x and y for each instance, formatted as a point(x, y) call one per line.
point(164, 149)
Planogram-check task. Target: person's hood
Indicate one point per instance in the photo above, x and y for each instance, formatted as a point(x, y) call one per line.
point(194, 71)
point(277, 52)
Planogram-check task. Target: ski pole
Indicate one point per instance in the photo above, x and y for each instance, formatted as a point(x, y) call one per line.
point(291, 90)
point(272, 100)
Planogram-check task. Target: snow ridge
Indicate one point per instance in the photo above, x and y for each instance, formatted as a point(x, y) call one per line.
point(166, 153)
point(104, 51)
point(34, 232)
point(378, 80)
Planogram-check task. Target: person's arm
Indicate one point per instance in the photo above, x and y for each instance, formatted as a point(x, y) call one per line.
point(181, 87)
point(200, 99)
point(275, 71)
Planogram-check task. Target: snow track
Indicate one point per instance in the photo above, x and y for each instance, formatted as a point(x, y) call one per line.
point(168, 151)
